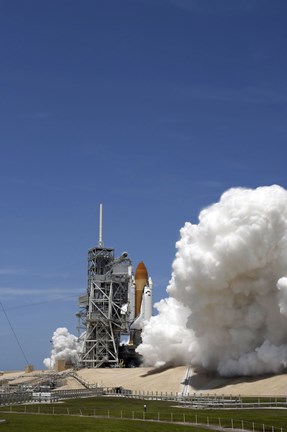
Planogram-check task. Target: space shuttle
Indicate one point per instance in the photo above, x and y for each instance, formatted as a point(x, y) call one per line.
point(142, 306)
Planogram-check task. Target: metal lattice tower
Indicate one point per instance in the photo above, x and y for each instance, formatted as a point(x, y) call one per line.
point(104, 309)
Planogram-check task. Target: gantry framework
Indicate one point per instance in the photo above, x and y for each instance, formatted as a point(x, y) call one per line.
point(104, 309)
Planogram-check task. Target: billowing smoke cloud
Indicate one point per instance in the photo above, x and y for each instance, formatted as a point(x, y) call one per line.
point(227, 305)
point(65, 347)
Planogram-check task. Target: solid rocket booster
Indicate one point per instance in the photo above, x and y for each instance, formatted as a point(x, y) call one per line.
point(141, 280)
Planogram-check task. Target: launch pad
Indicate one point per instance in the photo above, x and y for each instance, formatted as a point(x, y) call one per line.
point(113, 309)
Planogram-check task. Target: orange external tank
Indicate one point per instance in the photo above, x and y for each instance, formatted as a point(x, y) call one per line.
point(141, 280)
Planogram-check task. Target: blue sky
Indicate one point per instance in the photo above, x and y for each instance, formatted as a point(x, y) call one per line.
point(152, 107)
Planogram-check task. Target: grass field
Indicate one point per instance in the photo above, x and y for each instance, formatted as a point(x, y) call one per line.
point(23, 423)
point(120, 414)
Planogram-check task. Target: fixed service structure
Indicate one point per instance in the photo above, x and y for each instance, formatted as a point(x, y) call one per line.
point(114, 308)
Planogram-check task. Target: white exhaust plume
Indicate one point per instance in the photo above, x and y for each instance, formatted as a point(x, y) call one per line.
point(65, 347)
point(227, 305)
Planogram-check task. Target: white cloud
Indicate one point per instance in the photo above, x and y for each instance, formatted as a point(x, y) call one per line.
point(227, 305)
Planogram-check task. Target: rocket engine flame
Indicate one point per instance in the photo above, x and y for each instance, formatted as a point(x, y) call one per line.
point(227, 305)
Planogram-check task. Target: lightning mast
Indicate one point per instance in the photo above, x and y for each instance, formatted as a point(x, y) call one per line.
point(101, 244)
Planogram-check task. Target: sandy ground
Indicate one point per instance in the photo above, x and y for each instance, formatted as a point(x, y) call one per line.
point(264, 386)
point(165, 380)
point(173, 379)
point(137, 379)
point(20, 377)
point(71, 384)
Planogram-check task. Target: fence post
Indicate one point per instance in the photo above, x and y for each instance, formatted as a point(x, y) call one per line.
point(207, 421)
point(39, 409)
point(253, 426)
point(231, 423)
point(158, 418)
point(263, 428)
point(242, 425)
point(196, 419)
point(183, 418)
point(171, 417)
point(219, 423)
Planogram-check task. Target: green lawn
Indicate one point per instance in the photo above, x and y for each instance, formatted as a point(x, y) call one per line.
point(34, 423)
point(120, 409)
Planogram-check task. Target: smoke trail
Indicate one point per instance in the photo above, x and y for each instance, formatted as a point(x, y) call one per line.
point(227, 305)
point(65, 347)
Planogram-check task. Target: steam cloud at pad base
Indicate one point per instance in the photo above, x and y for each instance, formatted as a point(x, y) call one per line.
point(65, 346)
point(227, 304)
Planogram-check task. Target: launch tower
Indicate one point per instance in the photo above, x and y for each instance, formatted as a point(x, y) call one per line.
point(110, 307)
